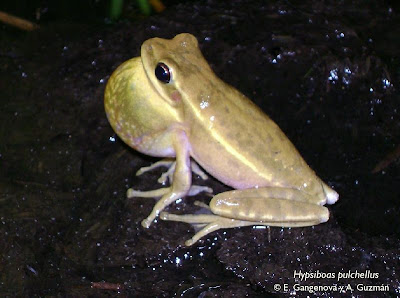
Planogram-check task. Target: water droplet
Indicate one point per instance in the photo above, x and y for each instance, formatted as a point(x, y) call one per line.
point(204, 104)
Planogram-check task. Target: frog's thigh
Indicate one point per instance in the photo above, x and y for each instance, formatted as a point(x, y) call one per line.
point(270, 206)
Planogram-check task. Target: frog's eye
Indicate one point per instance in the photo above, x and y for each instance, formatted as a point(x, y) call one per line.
point(163, 73)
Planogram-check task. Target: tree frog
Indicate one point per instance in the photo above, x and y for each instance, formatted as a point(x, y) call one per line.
point(169, 103)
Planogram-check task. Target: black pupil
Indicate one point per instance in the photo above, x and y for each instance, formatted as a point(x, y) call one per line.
point(162, 73)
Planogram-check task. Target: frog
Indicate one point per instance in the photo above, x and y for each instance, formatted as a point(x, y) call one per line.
point(169, 103)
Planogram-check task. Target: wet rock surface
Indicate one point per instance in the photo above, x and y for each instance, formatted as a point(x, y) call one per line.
point(326, 73)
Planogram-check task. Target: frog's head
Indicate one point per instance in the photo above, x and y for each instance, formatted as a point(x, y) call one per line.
point(177, 69)
point(134, 108)
point(147, 94)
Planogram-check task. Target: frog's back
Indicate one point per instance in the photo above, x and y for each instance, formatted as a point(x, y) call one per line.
point(244, 147)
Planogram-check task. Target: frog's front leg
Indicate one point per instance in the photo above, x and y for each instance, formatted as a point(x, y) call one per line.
point(284, 207)
point(182, 177)
point(170, 164)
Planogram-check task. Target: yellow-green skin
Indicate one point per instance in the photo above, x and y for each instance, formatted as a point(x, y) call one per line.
point(197, 115)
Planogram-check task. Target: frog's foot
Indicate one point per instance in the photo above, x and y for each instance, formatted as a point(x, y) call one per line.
point(210, 222)
point(170, 164)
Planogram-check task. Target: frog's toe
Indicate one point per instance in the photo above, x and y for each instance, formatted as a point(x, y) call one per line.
point(166, 162)
point(190, 242)
point(130, 193)
point(197, 170)
point(196, 189)
point(166, 175)
point(146, 223)
point(164, 215)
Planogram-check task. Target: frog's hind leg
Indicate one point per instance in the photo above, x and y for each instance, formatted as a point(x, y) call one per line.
point(283, 207)
point(211, 223)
